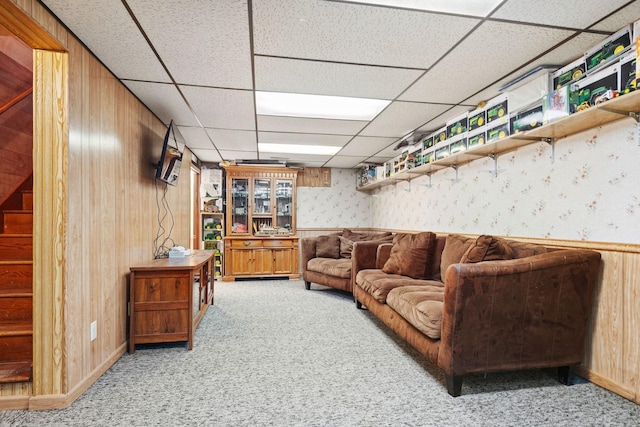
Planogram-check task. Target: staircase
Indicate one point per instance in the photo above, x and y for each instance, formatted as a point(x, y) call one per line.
point(16, 292)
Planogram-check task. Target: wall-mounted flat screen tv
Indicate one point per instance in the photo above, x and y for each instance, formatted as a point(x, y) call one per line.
point(168, 169)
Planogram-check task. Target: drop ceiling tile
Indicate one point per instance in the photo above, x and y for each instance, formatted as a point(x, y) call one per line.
point(307, 159)
point(563, 13)
point(201, 42)
point(377, 159)
point(137, 61)
point(325, 78)
point(225, 139)
point(441, 120)
point(164, 100)
point(366, 146)
point(401, 118)
point(626, 15)
point(306, 125)
point(348, 162)
point(302, 139)
point(351, 33)
point(465, 71)
point(222, 108)
point(207, 156)
point(388, 153)
point(239, 155)
point(196, 137)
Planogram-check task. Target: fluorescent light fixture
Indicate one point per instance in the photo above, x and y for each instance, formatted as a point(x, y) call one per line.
point(461, 7)
point(318, 106)
point(323, 150)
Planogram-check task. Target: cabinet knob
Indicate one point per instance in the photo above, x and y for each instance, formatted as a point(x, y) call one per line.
point(246, 243)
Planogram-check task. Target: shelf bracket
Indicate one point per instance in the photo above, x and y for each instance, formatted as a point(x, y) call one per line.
point(634, 115)
point(552, 143)
point(455, 168)
point(494, 156)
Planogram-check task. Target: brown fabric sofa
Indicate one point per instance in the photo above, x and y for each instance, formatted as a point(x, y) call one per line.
point(326, 260)
point(508, 306)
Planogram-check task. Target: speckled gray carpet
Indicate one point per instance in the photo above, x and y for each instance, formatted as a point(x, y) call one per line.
point(272, 353)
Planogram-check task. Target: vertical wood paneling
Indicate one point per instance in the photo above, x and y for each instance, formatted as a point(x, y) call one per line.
point(631, 321)
point(49, 220)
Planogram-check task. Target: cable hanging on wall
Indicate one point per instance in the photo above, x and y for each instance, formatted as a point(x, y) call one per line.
point(161, 250)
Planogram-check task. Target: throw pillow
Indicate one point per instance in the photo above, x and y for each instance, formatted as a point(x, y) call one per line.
point(328, 247)
point(454, 248)
point(487, 248)
point(409, 254)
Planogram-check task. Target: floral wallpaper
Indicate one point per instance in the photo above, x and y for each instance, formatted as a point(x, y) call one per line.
point(588, 189)
point(334, 207)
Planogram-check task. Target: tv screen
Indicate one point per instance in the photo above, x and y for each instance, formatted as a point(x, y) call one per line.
point(168, 169)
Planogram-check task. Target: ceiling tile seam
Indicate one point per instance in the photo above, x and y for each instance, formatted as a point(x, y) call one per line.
point(324, 61)
point(253, 73)
point(166, 69)
point(190, 85)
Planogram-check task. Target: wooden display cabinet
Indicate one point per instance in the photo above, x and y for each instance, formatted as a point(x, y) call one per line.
point(260, 238)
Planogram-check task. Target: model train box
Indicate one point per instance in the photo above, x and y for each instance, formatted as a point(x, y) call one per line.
point(428, 157)
point(611, 47)
point(498, 130)
point(526, 120)
point(476, 137)
point(628, 73)
point(458, 144)
point(570, 73)
point(497, 108)
point(558, 104)
point(597, 87)
point(477, 118)
point(457, 125)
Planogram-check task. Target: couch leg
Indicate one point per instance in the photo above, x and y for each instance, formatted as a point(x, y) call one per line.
point(563, 374)
point(307, 285)
point(454, 384)
point(358, 305)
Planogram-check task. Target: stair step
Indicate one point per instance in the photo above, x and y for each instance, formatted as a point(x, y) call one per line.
point(15, 372)
point(16, 275)
point(16, 342)
point(18, 222)
point(16, 309)
point(27, 200)
point(16, 247)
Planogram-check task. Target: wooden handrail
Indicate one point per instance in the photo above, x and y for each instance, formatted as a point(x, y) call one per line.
point(13, 101)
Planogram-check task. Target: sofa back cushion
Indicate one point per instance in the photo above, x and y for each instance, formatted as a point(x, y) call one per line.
point(455, 247)
point(436, 259)
point(348, 237)
point(523, 250)
point(328, 246)
point(487, 248)
point(410, 255)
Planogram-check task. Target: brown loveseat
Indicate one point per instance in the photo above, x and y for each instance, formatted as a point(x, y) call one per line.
point(481, 305)
point(326, 260)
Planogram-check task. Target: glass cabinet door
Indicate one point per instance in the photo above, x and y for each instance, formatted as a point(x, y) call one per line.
point(240, 206)
point(262, 203)
point(284, 203)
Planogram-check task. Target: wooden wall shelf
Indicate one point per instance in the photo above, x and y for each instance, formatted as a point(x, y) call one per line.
point(615, 109)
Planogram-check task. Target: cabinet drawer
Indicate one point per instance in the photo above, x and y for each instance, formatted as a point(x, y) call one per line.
point(246, 243)
point(277, 243)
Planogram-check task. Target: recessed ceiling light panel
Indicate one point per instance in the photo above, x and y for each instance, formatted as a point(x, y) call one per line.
point(462, 7)
point(318, 106)
point(323, 150)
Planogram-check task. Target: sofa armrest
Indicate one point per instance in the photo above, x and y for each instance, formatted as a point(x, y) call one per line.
point(363, 256)
point(523, 313)
point(384, 251)
point(307, 250)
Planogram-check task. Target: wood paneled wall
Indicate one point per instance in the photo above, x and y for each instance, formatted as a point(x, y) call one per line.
point(95, 215)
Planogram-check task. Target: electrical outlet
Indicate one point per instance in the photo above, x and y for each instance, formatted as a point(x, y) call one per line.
point(94, 330)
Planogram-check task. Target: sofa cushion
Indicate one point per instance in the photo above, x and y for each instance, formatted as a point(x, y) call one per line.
point(378, 283)
point(421, 306)
point(454, 248)
point(328, 246)
point(487, 248)
point(522, 249)
point(331, 267)
point(346, 243)
point(410, 254)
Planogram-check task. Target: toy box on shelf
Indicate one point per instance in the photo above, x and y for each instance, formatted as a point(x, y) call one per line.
point(477, 137)
point(497, 108)
point(628, 73)
point(427, 143)
point(442, 152)
point(498, 129)
point(558, 104)
point(570, 73)
point(610, 48)
point(597, 87)
point(457, 125)
point(526, 120)
point(458, 144)
point(440, 136)
point(366, 175)
point(477, 119)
